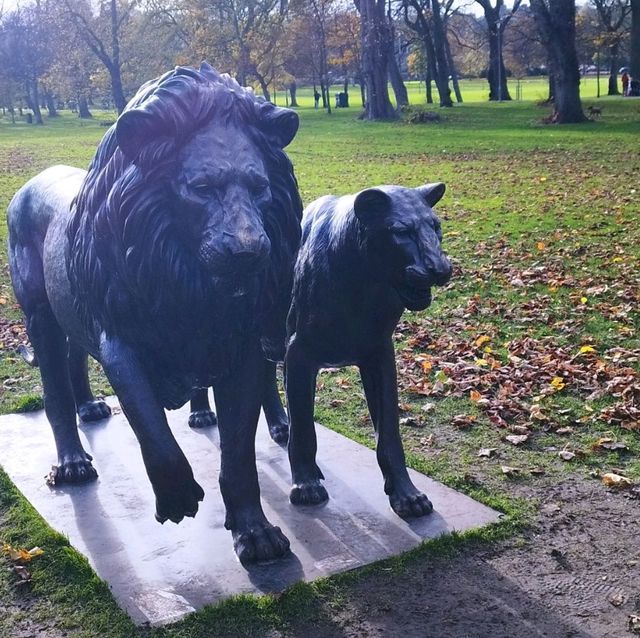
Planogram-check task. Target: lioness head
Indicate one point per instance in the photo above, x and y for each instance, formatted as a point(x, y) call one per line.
point(403, 238)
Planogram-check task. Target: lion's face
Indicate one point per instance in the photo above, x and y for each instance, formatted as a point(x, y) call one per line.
point(221, 191)
point(404, 239)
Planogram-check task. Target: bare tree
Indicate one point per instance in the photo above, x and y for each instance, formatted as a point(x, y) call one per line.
point(497, 17)
point(611, 16)
point(102, 34)
point(556, 20)
point(635, 39)
point(374, 30)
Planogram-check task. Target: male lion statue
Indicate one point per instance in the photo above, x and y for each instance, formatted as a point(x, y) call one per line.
point(170, 261)
point(364, 259)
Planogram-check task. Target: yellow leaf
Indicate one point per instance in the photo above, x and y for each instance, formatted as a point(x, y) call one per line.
point(427, 365)
point(488, 349)
point(540, 245)
point(481, 340)
point(542, 178)
point(558, 383)
point(587, 349)
point(583, 300)
point(482, 362)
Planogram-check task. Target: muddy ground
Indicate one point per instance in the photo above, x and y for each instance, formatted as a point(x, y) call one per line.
point(574, 574)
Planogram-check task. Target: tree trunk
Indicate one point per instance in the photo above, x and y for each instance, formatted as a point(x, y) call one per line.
point(83, 108)
point(497, 74)
point(399, 89)
point(551, 89)
point(119, 100)
point(453, 71)
point(363, 94)
point(557, 26)
point(293, 88)
point(634, 55)
point(428, 87)
point(51, 105)
point(613, 70)
point(375, 50)
point(263, 86)
point(35, 102)
point(442, 68)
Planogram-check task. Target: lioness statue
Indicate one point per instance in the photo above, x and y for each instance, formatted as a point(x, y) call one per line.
point(170, 261)
point(364, 258)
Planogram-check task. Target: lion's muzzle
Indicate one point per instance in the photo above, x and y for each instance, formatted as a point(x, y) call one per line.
point(238, 254)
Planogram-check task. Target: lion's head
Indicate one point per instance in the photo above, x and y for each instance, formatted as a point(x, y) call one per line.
point(403, 238)
point(189, 192)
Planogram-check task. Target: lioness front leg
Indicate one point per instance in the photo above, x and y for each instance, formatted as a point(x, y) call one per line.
point(177, 493)
point(300, 381)
point(378, 374)
point(238, 398)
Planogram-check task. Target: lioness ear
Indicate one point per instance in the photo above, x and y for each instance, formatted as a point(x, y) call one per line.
point(278, 123)
point(134, 129)
point(370, 205)
point(432, 193)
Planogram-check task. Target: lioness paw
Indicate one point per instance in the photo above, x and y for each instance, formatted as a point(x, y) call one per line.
point(260, 543)
point(409, 505)
point(175, 504)
point(308, 493)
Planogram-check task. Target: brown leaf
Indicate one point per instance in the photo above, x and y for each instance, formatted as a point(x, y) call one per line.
point(615, 480)
point(463, 421)
point(507, 470)
point(487, 451)
point(566, 455)
point(516, 439)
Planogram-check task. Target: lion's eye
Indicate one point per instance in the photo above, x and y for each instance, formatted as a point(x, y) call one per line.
point(201, 188)
point(400, 229)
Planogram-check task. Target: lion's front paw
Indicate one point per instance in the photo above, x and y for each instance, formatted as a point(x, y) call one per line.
point(202, 419)
point(72, 469)
point(279, 430)
point(409, 502)
point(94, 410)
point(260, 542)
point(178, 496)
point(308, 493)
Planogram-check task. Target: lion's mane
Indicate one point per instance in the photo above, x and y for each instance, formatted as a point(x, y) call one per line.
point(126, 264)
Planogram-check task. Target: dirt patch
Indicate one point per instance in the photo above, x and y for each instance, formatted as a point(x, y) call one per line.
point(16, 160)
point(575, 573)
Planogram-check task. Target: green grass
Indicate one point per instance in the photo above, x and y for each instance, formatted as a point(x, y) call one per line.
point(512, 183)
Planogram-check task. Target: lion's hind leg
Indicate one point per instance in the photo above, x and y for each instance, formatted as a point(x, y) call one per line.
point(202, 416)
point(51, 348)
point(87, 406)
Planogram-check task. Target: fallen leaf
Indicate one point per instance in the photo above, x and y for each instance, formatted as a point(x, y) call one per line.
point(606, 443)
point(615, 480)
point(463, 421)
point(616, 600)
point(634, 624)
point(516, 439)
point(565, 430)
point(566, 455)
point(507, 470)
point(427, 407)
point(411, 422)
point(475, 396)
point(487, 451)
point(558, 383)
point(481, 340)
point(23, 572)
point(536, 470)
point(587, 349)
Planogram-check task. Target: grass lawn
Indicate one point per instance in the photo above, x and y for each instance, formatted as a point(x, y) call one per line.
point(535, 337)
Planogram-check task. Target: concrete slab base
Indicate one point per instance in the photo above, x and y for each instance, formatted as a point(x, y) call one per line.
point(159, 573)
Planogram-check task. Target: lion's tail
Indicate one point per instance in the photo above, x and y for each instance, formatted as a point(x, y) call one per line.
point(28, 355)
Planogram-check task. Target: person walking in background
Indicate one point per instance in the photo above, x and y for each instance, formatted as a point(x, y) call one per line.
point(316, 98)
point(625, 82)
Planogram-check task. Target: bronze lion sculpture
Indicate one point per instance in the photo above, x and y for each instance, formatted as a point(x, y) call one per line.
point(170, 261)
point(364, 258)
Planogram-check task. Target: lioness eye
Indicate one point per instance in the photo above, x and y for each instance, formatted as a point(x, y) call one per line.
point(201, 187)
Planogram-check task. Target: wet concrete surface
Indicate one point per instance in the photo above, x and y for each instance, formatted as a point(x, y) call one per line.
point(159, 573)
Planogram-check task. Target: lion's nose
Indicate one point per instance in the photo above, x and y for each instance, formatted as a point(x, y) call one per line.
point(246, 251)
